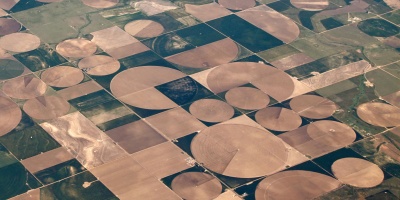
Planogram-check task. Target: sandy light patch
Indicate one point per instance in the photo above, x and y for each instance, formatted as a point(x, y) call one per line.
point(207, 12)
point(153, 7)
point(88, 144)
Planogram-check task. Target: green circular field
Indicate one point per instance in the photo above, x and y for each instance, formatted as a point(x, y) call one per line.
point(10, 69)
point(378, 28)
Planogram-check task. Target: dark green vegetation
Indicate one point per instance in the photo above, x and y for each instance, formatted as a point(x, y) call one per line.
point(28, 142)
point(330, 23)
point(41, 58)
point(10, 69)
point(196, 2)
point(117, 122)
point(244, 33)
point(60, 171)
point(184, 90)
point(75, 188)
point(143, 59)
point(168, 44)
point(394, 16)
point(15, 179)
point(91, 100)
point(378, 28)
point(199, 35)
point(104, 112)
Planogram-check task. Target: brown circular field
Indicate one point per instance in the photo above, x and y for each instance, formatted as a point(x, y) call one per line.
point(278, 119)
point(128, 83)
point(310, 5)
point(19, 42)
point(211, 110)
point(196, 186)
point(270, 80)
point(296, 184)
point(46, 107)
point(24, 87)
point(10, 115)
point(62, 76)
point(239, 150)
point(99, 65)
point(331, 133)
point(144, 28)
point(379, 114)
point(100, 3)
point(8, 26)
point(313, 106)
point(357, 172)
point(76, 48)
point(247, 98)
point(237, 4)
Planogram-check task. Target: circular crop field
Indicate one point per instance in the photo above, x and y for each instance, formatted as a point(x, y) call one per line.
point(10, 69)
point(378, 28)
point(240, 151)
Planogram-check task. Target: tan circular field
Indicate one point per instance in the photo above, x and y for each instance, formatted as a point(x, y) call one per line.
point(62, 76)
point(278, 119)
point(100, 3)
point(310, 5)
point(46, 107)
point(8, 26)
point(357, 172)
point(247, 98)
point(99, 65)
point(127, 84)
point(270, 80)
point(211, 110)
point(144, 28)
point(239, 150)
point(19, 42)
point(76, 48)
point(331, 133)
point(296, 184)
point(237, 4)
point(196, 186)
point(10, 115)
point(379, 114)
point(313, 106)
point(24, 87)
